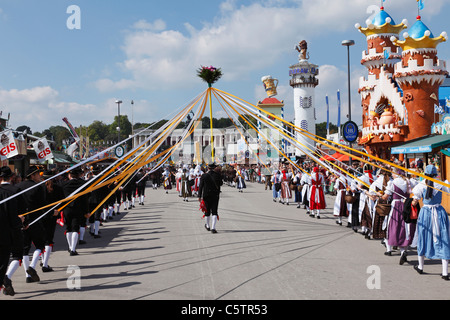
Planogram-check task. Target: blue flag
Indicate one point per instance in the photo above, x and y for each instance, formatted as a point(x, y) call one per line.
point(328, 113)
point(386, 54)
point(420, 3)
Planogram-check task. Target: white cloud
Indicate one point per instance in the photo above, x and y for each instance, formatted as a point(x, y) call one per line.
point(240, 39)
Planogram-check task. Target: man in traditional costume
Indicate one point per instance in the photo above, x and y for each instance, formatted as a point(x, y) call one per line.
point(209, 191)
point(11, 236)
point(76, 211)
point(34, 232)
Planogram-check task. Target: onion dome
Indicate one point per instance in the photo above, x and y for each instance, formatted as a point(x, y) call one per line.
point(381, 23)
point(419, 37)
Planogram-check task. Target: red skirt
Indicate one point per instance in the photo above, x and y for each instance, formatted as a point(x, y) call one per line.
point(317, 200)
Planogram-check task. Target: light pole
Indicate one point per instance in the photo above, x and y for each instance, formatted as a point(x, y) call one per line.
point(348, 44)
point(118, 120)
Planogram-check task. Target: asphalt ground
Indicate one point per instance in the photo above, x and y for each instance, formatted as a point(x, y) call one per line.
point(263, 251)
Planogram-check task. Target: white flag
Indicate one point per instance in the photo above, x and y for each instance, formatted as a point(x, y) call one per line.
point(42, 150)
point(8, 145)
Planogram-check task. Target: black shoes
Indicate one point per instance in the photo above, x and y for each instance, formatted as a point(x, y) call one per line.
point(388, 253)
point(47, 269)
point(207, 228)
point(213, 231)
point(33, 274)
point(8, 289)
point(419, 271)
point(73, 253)
point(403, 258)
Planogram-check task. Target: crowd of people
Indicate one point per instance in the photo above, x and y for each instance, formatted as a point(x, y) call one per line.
point(381, 202)
point(32, 206)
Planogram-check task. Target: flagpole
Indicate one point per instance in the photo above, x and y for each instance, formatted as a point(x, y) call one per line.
point(328, 117)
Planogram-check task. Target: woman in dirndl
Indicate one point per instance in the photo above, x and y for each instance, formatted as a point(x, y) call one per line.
point(398, 233)
point(285, 189)
point(433, 226)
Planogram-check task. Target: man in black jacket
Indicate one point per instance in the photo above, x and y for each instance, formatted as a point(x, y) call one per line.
point(209, 190)
point(77, 211)
point(34, 232)
point(11, 237)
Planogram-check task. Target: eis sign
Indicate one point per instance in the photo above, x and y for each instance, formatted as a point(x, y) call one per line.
point(8, 147)
point(42, 149)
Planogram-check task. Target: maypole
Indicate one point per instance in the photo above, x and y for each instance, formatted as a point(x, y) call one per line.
point(210, 75)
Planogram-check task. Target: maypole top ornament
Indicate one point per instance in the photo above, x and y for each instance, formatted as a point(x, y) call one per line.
point(209, 74)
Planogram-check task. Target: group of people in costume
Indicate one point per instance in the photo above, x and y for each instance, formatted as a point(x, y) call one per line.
point(33, 207)
point(399, 209)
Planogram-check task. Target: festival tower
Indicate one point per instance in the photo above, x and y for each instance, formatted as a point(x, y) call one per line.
point(381, 99)
point(304, 81)
point(420, 74)
point(402, 88)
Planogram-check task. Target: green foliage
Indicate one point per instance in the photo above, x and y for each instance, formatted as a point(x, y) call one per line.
point(209, 74)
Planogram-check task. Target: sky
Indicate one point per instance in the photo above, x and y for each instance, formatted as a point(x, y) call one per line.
point(148, 52)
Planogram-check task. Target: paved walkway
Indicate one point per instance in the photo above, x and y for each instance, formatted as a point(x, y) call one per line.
point(262, 251)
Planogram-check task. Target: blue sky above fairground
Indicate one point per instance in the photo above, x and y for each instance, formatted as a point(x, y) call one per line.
point(149, 51)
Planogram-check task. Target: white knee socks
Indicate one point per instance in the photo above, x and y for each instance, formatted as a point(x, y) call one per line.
point(47, 252)
point(213, 222)
point(72, 240)
point(13, 266)
point(444, 267)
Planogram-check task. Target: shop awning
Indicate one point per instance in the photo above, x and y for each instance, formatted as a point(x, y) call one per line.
point(422, 145)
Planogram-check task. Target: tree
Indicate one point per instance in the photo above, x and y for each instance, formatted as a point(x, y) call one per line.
point(98, 131)
point(23, 128)
point(321, 129)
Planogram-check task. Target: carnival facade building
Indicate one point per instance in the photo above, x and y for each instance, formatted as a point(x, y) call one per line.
point(401, 90)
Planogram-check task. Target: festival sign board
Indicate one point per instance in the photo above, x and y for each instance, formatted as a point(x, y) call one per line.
point(350, 131)
point(8, 147)
point(42, 149)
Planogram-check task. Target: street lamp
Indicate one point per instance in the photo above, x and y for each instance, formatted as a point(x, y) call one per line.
point(348, 44)
point(118, 120)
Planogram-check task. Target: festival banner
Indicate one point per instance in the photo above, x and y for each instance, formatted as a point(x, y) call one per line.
point(8, 145)
point(42, 149)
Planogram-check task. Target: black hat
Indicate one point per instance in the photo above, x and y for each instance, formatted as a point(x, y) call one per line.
point(32, 170)
point(48, 174)
point(5, 172)
point(212, 166)
point(76, 171)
